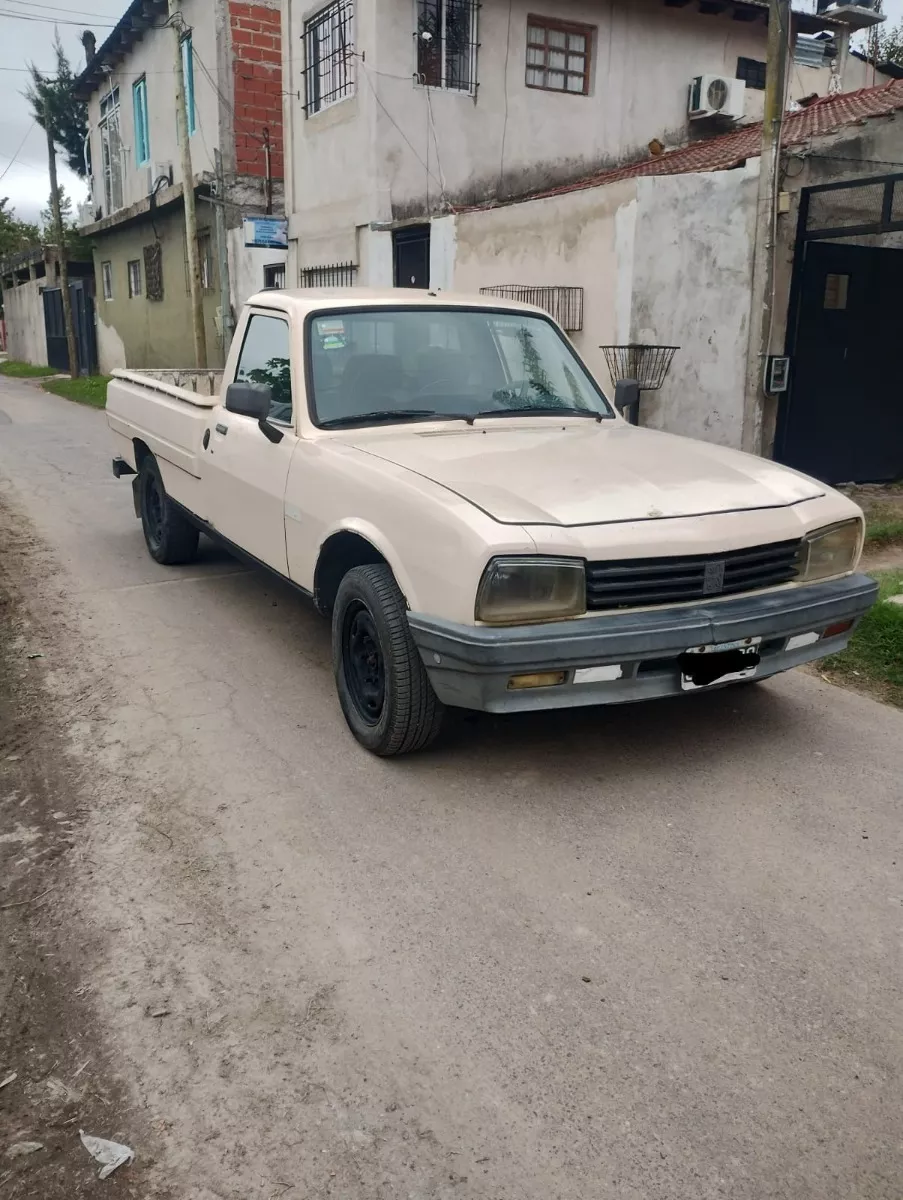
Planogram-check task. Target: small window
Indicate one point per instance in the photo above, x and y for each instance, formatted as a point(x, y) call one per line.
point(329, 56)
point(274, 276)
point(558, 55)
point(142, 138)
point(106, 275)
point(205, 257)
point(752, 72)
point(188, 82)
point(837, 291)
point(265, 358)
point(134, 278)
point(447, 44)
point(153, 271)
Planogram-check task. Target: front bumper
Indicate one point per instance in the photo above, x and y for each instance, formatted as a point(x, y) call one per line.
point(470, 665)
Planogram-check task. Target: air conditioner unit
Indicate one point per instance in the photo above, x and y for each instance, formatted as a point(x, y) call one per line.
point(717, 96)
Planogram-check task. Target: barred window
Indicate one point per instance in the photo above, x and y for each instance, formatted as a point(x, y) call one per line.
point(558, 55)
point(447, 44)
point(752, 72)
point(334, 276)
point(153, 271)
point(328, 56)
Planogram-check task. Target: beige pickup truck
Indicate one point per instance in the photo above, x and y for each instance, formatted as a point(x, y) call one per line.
point(447, 481)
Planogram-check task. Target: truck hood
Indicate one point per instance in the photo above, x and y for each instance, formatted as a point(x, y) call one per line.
point(586, 473)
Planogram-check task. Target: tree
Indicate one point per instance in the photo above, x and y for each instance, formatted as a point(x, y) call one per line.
point(890, 44)
point(15, 235)
point(55, 94)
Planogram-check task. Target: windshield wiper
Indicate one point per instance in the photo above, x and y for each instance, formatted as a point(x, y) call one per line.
point(541, 410)
point(387, 416)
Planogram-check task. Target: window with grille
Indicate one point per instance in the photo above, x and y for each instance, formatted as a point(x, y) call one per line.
point(752, 72)
point(274, 276)
point(134, 270)
point(106, 274)
point(111, 151)
point(153, 271)
point(328, 56)
point(558, 55)
point(334, 276)
point(205, 257)
point(447, 44)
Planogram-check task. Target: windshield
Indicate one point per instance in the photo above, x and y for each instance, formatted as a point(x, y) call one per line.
point(372, 366)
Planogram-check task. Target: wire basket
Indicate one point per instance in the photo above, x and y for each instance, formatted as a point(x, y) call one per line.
point(648, 365)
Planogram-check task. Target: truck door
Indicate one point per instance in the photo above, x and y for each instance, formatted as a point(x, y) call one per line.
point(244, 472)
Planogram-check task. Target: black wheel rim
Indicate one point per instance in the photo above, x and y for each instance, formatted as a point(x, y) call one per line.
point(363, 664)
point(153, 510)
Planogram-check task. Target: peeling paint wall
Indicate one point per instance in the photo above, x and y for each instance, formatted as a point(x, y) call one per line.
point(692, 279)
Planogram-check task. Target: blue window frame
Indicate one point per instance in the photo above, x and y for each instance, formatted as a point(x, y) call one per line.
point(188, 80)
point(142, 137)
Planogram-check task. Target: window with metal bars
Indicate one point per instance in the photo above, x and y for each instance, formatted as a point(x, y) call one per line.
point(565, 304)
point(153, 271)
point(336, 275)
point(329, 56)
point(447, 44)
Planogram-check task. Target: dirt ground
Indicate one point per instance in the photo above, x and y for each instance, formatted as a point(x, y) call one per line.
point(64, 1076)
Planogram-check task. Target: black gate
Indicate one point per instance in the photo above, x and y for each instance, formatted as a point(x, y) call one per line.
point(83, 321)
point(842, 419)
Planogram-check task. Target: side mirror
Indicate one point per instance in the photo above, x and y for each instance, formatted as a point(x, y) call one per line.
point(254, 400)
point(627, 399)
point(249, 400)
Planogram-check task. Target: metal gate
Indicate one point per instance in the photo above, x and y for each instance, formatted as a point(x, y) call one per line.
point(83, 320)
point(842, 419)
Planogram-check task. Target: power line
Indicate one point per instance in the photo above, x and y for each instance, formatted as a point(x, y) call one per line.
point(7, 169)
point(57, 8)
point(4, 12)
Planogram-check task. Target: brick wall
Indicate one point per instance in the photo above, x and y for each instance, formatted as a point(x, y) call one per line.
point(257, 76)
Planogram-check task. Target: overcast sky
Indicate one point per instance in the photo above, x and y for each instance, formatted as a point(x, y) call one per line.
point(28, 37)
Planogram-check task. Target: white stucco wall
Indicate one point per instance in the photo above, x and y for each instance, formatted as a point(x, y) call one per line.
point(574, 240)
point(26, 338)
point(111, 354)
point(691, 287)
point(153, 57)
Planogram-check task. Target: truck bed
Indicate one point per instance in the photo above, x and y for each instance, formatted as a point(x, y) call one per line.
point(167, 410)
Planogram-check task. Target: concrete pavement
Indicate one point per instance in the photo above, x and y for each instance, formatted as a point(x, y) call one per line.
point(640, 952)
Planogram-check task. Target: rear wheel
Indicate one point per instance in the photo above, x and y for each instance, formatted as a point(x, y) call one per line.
point(170, 536)
point(384, 691)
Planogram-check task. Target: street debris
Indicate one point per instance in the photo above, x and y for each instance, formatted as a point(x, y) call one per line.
point(111, 1154)
point(33, 656)
point(11, 1078)
point(20, 1149)
point(159, 1012)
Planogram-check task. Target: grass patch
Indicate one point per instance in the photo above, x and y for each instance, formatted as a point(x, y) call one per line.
point(21, 370)
point(873, 661)
point(884, 527)
point(87, 389)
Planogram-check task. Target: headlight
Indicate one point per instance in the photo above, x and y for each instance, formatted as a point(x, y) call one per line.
point(831, 551)
point(516, 591)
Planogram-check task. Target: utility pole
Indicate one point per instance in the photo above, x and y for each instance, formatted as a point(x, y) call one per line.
point(191, 217)
point(62, 253)
point(761, 325)
point(225, 289)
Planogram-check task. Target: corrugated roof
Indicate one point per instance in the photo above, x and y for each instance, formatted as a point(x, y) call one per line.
point(733, 149)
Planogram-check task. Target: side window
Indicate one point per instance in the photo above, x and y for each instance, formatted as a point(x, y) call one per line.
point(266, 358)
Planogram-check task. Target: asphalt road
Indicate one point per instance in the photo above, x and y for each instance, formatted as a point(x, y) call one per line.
point(642, 953)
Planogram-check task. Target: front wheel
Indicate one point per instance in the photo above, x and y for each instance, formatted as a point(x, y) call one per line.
point(384, 691)
point(170, 536)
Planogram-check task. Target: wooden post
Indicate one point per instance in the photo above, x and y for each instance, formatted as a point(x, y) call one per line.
point(62, 252)
point(191, 216)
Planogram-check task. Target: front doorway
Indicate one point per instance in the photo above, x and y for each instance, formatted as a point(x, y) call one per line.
point(412, 256)
point(842, 420)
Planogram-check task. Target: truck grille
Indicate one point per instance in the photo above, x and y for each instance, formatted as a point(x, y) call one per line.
point(639, 582)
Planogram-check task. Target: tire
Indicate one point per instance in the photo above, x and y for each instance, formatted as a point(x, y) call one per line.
point(384, 691)
point(170, 536)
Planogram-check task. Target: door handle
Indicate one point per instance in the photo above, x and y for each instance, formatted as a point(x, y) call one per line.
point(223, 429)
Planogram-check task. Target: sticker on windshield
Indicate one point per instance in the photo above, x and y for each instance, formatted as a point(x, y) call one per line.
point(331, 334)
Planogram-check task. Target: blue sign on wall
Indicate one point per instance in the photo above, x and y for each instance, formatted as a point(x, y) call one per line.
point(270, 233)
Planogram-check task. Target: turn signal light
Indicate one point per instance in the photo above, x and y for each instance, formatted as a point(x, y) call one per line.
point(837, 630)
point(541, 679)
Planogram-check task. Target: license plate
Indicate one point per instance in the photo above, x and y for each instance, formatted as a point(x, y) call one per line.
point(704, 666)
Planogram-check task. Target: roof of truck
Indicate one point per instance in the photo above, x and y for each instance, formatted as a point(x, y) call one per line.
point(306, 300)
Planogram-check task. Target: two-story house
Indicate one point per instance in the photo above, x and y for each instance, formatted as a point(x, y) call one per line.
point(231, 67)
point(400, 110)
